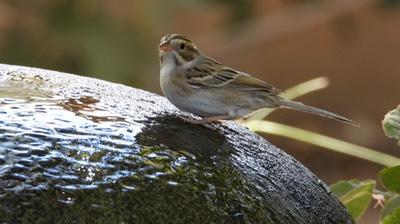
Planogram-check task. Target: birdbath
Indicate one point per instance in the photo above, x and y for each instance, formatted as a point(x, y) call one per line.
point(81, 150)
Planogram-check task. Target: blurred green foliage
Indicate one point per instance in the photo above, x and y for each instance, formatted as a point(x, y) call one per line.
point(109, 40)
point(81, 37)
point(115, 41)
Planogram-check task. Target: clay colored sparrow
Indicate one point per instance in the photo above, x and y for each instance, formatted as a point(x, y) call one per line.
point(202, 86)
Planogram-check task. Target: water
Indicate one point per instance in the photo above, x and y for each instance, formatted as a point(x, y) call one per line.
point(77, 159)
point(81, 150)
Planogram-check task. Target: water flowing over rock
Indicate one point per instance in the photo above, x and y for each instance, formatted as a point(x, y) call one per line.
point(81, 150)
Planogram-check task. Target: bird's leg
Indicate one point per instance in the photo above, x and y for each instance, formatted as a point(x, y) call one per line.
point(211, 119)
point(205, 120)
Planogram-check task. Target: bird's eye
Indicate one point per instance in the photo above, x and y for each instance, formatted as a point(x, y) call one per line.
point(182, 46)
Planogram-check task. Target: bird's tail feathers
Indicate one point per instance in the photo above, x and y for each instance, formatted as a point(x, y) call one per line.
point(294, 105)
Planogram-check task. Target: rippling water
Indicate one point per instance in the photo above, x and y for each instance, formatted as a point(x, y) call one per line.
point(81, 150)
point(64, 154)
point(63, 141)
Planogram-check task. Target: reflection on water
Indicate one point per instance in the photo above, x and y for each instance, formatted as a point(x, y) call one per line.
point(79, 157)
point(38, 135)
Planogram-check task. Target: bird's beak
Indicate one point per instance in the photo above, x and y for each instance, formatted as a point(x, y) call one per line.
point(165, 46)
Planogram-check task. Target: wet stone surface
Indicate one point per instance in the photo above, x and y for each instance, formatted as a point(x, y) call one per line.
point(79, 150)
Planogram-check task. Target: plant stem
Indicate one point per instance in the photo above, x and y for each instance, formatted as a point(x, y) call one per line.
point(323, 141)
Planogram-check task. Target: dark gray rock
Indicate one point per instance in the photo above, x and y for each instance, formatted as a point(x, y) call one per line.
point(82, 150)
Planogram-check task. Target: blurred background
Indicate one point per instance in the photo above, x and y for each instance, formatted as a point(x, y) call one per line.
point(356, 44)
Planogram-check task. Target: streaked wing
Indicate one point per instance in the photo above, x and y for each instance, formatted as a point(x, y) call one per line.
point(212, 74)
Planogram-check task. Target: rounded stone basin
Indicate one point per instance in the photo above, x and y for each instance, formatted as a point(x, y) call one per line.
point(81, 150)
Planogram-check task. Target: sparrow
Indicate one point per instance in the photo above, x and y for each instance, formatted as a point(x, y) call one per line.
point(204, 87)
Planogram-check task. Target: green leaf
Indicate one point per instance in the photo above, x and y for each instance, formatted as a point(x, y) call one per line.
point(355, 195)
point(392, 218)
point(391, 124)
point(390, 178)
point(391, 206)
